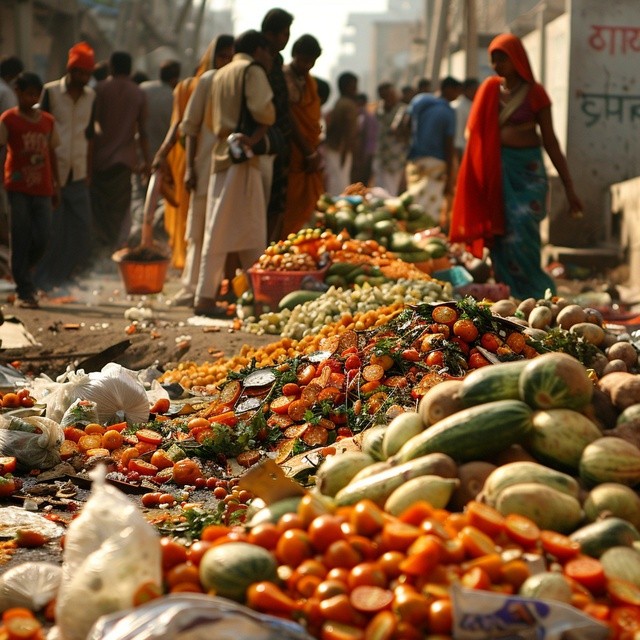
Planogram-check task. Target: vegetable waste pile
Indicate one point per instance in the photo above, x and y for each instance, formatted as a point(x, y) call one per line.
point(413, 468)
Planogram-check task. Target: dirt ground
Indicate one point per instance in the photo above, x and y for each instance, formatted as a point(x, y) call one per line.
point(77, 330)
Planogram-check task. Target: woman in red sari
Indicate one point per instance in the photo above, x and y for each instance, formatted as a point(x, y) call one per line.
point(305, 171)
point(502, 185)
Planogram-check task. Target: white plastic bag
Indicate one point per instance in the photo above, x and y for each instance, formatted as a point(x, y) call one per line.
point(61, 393)
point(118, 394)
point(30, 584)
point(193, 616)
point(111, 552)
point(34, 441)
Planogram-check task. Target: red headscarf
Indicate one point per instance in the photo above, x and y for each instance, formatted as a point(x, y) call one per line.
point(81, 57)
point(478, 207)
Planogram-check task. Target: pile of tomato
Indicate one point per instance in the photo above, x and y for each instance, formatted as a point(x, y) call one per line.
point(358, 572)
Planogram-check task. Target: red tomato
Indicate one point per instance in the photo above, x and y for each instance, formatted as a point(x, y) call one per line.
point(161, 406)
point(142, 467)
point(172, 553)
point(150, 436)
point(7, 464)
point(8, 486)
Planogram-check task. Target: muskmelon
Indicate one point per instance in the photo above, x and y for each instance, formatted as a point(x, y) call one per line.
point(230, 568)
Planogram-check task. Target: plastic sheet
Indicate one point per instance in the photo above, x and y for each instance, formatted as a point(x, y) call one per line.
point(31, 585)
point(194, 617)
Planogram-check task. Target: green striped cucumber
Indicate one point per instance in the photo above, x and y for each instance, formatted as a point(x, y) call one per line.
point(293, 299)
point(474, 433)
point(337, 471)
point(380, 486)
point(559, 436)
point(555, 381)
point(497, 382)
point(527, 472)
point(610, 459)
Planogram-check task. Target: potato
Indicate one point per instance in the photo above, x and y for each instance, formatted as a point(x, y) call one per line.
point(472, 476)
point(594, 316)
point(504, 308)
point(624, 351)
point(599, 363)
point(535, 334)
point(623, 388)
point(614, 365)
point(540, 317)
point(526, 306)
point(570, 315)
point(592, 333)
point(440, 401)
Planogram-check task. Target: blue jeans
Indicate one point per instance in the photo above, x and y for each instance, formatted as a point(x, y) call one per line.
point(70, 246)
point(30, 229)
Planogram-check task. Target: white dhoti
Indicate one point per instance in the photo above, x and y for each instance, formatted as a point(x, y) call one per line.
point(338, 175)
point(235, 221)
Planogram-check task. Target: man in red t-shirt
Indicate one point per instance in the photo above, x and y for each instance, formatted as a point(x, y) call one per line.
point(31, 182)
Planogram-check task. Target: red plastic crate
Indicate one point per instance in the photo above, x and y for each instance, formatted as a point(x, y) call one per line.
point(269, 287)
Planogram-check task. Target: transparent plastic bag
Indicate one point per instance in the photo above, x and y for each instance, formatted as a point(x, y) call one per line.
point(194, 617)
point(61, 393)
point(81, 412)
point(33, 440)
point(111, 554)
point(31, 585)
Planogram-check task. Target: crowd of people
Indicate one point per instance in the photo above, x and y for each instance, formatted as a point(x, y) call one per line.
point(243, 150)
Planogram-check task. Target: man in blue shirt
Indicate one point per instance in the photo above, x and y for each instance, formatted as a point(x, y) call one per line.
point(432, 123)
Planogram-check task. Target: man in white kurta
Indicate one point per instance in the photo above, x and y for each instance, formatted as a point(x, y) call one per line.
point(236, 213)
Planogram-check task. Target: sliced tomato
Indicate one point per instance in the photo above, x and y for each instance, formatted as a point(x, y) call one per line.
point(280, 405)
point(588, 572)
point(230, 392)
point(142, 467)
point(559, 545)
point(150, 436)
point(370, 598)
point(7, 464)
point(625, 622)
point(521, 529)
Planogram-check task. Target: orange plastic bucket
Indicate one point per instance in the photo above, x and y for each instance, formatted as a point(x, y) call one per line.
point(141, 278)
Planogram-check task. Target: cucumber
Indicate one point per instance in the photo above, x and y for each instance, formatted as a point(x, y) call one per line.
point(339, 269)
point(380, 486)
point(597, 537)
point(497, 382)
point(527, 472)
point(472, 434)
point(614, 499)
point(293, 299)
point(610, 459)
point(548, 508)
point(401, 429)
point(559, 436)
point(622, 563)
point(435, 490)
point(337, 471)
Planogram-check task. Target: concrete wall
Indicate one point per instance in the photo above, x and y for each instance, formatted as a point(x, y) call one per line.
point(604, 106)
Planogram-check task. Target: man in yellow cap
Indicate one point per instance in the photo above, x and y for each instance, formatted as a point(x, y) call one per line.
point(71, 102)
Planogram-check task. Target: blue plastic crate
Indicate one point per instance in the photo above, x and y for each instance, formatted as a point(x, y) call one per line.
point(458, 276)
